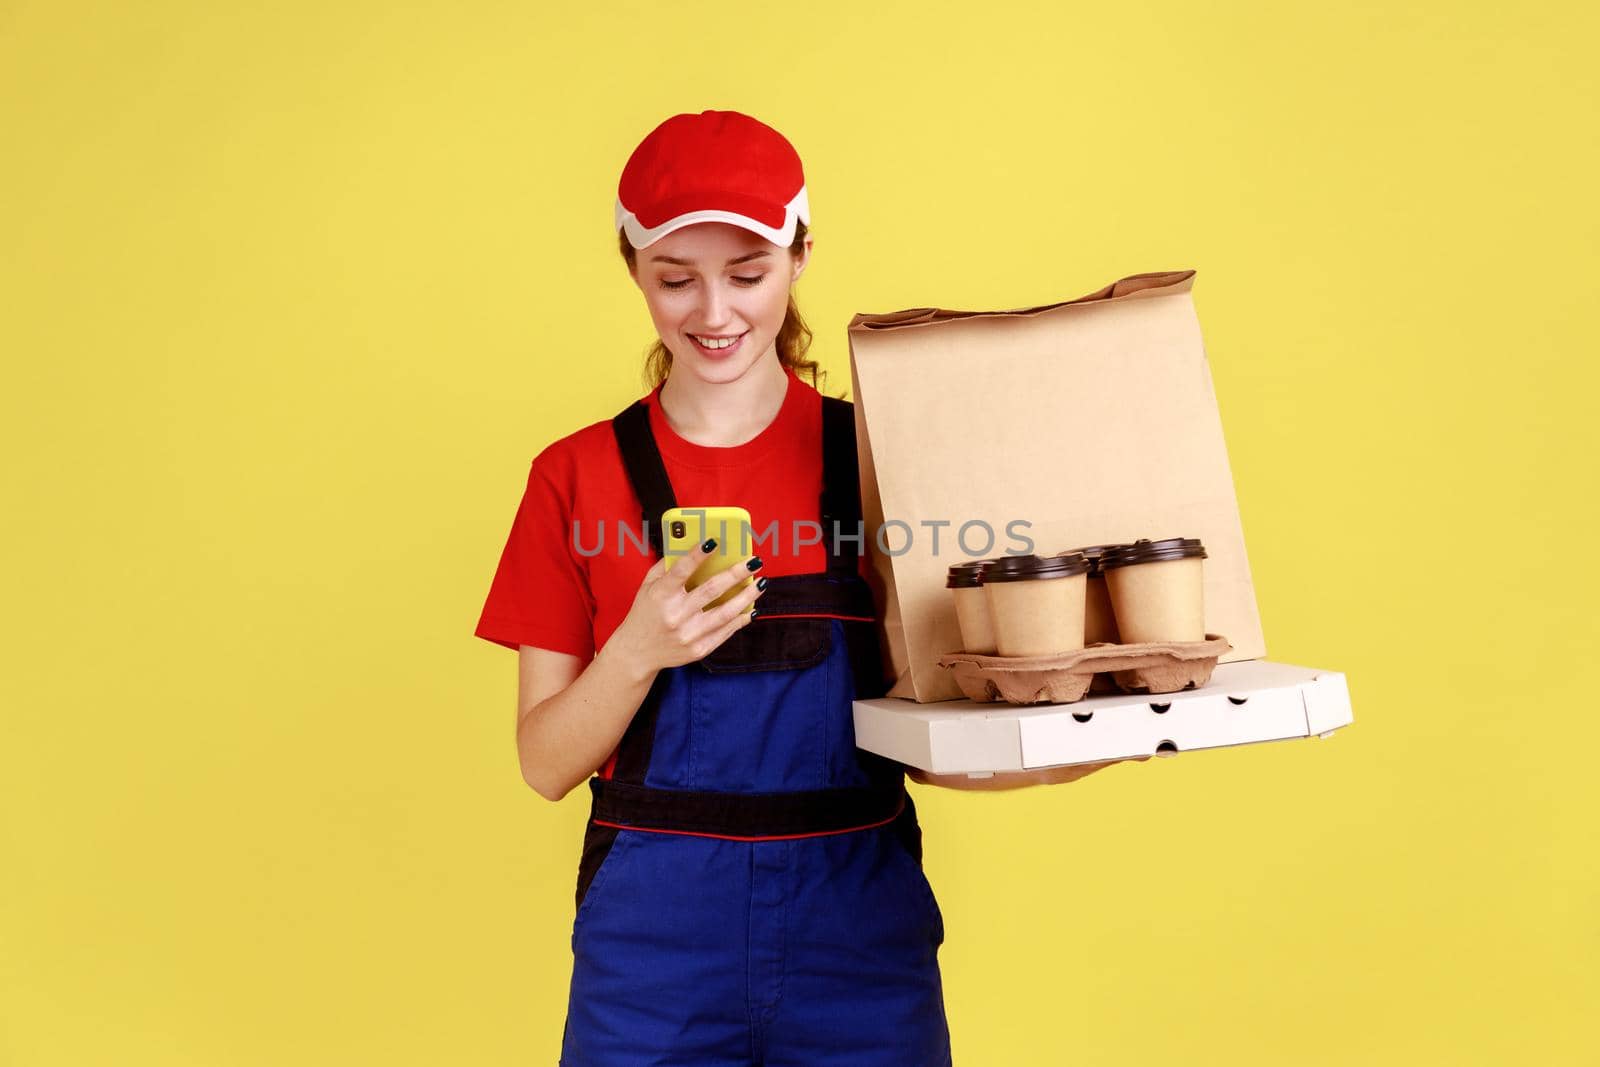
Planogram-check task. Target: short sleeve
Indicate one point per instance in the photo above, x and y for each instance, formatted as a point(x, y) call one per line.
point(540, 595)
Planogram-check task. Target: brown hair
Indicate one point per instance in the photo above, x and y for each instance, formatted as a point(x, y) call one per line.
point(794, 336)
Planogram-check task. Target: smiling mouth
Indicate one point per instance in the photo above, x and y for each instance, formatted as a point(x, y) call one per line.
point(716, 344)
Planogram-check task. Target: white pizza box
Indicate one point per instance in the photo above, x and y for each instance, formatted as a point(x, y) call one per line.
point(1243, 703)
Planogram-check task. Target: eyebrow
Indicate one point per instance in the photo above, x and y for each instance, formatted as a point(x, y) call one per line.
point(689, 262)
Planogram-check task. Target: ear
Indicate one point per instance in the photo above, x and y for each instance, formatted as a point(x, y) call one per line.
point(803, 259)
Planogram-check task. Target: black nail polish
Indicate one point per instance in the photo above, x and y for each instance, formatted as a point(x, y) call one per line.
point(711, 542)
point(761, 583)
point(753, 613)
point(754, 563)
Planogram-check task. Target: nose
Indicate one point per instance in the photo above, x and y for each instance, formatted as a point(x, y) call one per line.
point(714, 307)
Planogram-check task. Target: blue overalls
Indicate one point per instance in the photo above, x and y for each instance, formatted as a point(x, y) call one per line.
point(751, 889)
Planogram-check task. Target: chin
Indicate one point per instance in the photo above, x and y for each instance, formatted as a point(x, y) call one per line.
point(717, 371)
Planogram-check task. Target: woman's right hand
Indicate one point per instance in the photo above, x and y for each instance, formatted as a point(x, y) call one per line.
point(666, 626)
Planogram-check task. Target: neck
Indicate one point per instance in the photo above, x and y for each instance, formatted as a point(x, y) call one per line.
point(724, 414)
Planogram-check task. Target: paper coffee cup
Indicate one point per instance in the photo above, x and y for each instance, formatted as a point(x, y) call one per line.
point(972, 606)
point(1036, 603)
point(1099, 621)
point(1157, 590)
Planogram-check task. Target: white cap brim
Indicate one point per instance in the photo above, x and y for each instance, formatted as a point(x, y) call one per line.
point(639, 237)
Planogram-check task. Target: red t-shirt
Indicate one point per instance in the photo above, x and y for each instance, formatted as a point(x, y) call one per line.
point(551, 592)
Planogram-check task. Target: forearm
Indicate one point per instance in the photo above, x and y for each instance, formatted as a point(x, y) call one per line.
point(563, 739)
point(1010, 779)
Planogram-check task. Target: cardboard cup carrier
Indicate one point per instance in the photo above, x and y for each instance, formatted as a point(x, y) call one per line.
point(1041, 618)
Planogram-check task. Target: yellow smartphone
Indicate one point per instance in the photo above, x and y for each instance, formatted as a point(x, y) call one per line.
point(686, 529)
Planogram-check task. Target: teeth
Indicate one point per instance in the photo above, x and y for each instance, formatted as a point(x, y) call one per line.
point(709, 343)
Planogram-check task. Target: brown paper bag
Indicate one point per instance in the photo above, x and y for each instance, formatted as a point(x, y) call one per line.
point(1093, 420)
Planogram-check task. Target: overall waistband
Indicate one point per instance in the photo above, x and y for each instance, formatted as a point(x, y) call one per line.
point(745, 816)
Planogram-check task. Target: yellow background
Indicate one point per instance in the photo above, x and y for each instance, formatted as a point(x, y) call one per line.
point(292, 293)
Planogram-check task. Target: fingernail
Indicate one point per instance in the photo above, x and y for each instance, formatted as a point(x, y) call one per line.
point(711, 542)
point(761, 583)
point(753, 613)
point(755, 562)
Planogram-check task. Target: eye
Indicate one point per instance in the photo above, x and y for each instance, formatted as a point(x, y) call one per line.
point(684, 282)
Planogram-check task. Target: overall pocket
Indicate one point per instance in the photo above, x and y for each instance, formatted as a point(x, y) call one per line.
point(760, 714)
point(920, 887)
point(602, 849)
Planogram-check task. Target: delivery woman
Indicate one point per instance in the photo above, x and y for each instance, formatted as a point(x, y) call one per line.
point(750, 888)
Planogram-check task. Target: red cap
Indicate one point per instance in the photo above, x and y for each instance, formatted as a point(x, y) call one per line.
point(717, 166)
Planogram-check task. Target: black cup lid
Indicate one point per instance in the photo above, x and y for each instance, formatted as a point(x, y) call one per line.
point(1027, 568)
point(966, 575)
point(1147, 551)
point(1093, 553)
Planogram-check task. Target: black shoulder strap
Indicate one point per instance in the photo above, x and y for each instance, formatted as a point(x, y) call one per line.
point(648, 475)
point(841, 487)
